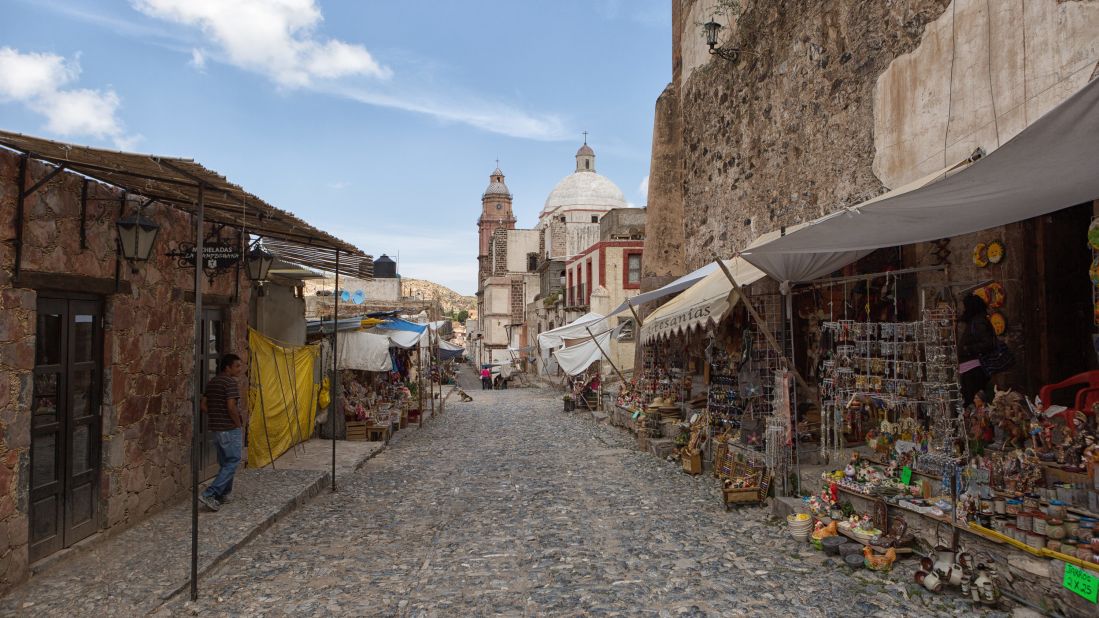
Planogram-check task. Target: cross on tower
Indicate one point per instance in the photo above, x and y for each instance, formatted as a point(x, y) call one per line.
point(585, 136)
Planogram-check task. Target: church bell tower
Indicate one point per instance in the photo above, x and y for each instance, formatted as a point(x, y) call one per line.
point(495, 214)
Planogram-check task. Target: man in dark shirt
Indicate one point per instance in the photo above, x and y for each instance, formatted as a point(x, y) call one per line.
point(221, 404)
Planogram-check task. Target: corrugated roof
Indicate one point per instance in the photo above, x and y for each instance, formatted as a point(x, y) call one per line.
point(176, 181)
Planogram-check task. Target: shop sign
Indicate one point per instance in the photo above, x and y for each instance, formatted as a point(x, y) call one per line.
point(1081, 582)
point(217, 258)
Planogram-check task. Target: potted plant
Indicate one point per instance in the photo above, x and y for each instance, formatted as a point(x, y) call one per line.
point(570, 403)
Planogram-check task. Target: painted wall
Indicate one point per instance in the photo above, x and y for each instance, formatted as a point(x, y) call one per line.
point(280, 314)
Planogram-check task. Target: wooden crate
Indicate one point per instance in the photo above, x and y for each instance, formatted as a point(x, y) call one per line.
point(357, 430)
point(692, 462)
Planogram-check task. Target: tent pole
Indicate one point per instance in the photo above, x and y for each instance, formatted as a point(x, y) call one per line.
point(601, 351)
point(759, 322)
point(335, 364)
point(196, 422)
point(634, 312)
point(430, 379)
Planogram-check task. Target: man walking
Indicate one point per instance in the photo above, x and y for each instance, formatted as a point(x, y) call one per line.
point(486, 379)
point(221, 404)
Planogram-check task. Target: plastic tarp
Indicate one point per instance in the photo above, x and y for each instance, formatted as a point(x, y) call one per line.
point(448, 350)
point(403, 325)
point(364, 351)
point(400, 338)
point(282, 398)
point(704, 303)
point(1048, 166)
point(574, 359)
point(678, 285)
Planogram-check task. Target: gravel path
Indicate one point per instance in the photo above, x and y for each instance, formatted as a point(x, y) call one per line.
point(509, 506)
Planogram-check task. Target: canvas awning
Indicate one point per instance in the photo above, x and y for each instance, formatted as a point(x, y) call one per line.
point(574, 359)
point(706, 302)
point(1048, 166)
point(552, 339)
point(364, 351)
point(678, 285)
point(404, 339)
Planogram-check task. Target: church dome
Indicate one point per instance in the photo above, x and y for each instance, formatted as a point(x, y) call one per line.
point(584, 189)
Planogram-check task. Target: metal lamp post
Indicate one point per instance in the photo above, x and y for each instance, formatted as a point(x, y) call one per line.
point(712, 28)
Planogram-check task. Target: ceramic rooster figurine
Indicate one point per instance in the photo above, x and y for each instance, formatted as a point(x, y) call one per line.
point(879, 563)
point(823, 531)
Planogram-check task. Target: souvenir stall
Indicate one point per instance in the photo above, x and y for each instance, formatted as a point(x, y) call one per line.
point(714, 374)
point(373, 396)
point(997, 497)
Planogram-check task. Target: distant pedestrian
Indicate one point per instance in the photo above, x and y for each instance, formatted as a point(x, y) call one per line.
point(224, 419)
point(486, 379)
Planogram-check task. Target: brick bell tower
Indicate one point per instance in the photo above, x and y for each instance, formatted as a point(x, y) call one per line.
point(495, 214)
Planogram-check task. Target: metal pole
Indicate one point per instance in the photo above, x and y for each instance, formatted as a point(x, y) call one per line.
point(601, 351)
point(759, 322)
point(430, 378)
point(196, 419)
point(335, 368)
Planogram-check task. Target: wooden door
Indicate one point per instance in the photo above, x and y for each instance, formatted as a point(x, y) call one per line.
point(65, 423)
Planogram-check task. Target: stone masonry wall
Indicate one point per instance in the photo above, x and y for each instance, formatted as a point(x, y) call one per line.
point(148, 350)
point(787, 135)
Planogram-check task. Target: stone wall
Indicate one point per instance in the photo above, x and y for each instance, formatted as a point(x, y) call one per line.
point(148, 349)
point(786, 135)
point(839, 100)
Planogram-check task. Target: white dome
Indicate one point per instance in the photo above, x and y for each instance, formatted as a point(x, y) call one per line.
point(584, 190)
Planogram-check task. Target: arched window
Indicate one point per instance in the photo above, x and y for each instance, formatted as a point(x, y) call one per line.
point(587, 164)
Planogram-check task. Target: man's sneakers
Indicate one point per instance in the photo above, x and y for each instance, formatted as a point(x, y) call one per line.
point(209, 502)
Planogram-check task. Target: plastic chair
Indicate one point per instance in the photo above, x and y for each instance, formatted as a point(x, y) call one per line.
point(1084, 388)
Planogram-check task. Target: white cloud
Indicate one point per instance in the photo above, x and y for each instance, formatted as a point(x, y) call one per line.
point(38, 81)
point(198, 59)
point(273, 37)
point(339, 184)
point(278, 39)
point(643, 188)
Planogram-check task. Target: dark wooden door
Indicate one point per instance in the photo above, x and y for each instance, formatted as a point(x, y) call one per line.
point(213, 346)
point(65, 423)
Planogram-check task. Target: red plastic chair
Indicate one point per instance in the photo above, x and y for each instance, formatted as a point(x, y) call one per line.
point(1084, 388)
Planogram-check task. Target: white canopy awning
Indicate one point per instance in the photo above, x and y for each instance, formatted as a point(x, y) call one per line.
point(678, 285)
point(703, 303)
point(576, 358)
point(552, 339)
point(364, 351)
point(1048, 166)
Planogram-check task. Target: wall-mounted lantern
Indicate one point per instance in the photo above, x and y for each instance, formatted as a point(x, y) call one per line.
point(136, 236)
point(259, 263)
point(712, 28)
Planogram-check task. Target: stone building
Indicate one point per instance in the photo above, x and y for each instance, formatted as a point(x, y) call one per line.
point(98, 354)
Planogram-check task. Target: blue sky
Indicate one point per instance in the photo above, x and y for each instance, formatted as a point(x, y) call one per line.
point(377, 121)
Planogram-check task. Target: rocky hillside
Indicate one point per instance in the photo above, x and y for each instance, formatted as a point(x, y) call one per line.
point(450, 300)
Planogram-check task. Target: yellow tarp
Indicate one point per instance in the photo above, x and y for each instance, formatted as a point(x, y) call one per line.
point(282, 400)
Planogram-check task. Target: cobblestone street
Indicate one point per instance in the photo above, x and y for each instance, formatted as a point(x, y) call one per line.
point(509, 506)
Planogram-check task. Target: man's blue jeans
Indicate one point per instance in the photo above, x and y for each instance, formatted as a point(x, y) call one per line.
point(229, 445)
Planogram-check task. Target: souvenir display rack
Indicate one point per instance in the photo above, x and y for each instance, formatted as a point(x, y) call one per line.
point(893, 377)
